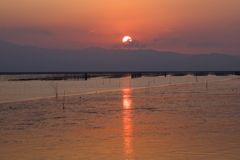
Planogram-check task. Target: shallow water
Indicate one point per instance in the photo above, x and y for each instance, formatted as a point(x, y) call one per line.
point(187, 121)
point(24, 90)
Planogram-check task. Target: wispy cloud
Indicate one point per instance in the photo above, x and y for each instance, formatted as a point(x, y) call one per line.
point(133, 44)
point(201, 44)
point(92, 31)
point(26, 31)
point(44, 32)
point(163, 42)
point(167, 30)
point(136, 44)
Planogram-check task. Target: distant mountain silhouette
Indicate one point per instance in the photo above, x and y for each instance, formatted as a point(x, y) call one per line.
point(15, 58)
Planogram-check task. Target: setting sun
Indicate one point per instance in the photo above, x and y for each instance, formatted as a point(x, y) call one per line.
point(126, 40)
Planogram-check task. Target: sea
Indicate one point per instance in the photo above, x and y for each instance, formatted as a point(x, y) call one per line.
point(120, 116)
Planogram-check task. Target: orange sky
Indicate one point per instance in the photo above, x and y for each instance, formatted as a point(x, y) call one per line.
point(185, 26)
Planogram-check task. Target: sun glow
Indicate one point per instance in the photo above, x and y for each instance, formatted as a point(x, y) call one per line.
point(127, 40)
point(127, 122)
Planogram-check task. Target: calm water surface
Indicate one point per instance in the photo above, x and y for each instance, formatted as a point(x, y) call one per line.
point(173, 122)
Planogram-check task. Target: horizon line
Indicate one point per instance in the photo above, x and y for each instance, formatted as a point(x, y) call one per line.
point(237, 72)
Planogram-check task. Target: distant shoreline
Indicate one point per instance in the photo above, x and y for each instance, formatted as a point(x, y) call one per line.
point(237, 72)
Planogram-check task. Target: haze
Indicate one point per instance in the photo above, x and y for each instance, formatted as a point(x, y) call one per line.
point(183, 26)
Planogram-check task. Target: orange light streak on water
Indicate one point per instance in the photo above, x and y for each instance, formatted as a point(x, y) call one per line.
point(127, 122)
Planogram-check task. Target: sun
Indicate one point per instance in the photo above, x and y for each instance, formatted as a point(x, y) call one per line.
point(127, 40)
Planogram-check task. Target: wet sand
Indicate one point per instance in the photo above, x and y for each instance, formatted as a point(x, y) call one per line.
point(188, 121)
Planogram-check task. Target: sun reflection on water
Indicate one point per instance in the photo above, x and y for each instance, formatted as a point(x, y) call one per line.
point(127, 122)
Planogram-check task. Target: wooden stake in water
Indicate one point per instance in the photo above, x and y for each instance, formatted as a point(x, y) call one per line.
point(64, 100)
point(130, 83)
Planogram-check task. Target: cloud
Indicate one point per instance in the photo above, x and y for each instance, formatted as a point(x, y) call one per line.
point(92, 32)
point(164, 42)
point(26, 31)
point(44, 32)
point(135, 44)
point(3, 30)
point(117, 33)
point(201, 44)
point(167, 30)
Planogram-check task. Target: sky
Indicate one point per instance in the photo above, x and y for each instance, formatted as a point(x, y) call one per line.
point(183, 26)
